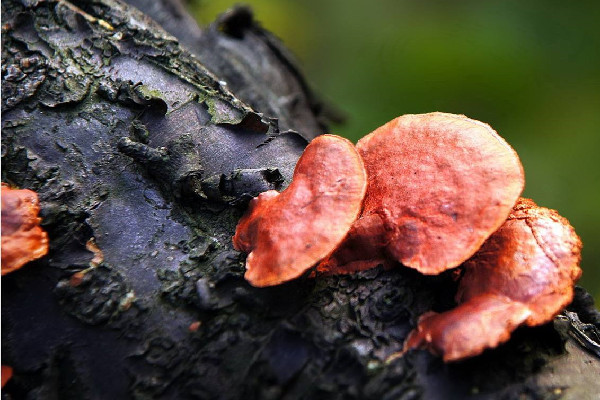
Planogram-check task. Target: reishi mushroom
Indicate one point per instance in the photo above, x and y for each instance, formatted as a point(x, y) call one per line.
point(523, 274)
point(438, 186)
point(23, 240)
point(287, 233)
point(442, 190)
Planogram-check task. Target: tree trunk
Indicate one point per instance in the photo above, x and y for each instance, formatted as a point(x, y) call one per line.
point(129, 139)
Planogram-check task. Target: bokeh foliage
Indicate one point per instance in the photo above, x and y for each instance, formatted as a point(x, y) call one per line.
point(530, 69)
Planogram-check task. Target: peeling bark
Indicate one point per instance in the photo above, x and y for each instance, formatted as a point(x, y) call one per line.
point(136, 141)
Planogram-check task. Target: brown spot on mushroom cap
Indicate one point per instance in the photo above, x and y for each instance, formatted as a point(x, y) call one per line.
point(533, 258)
point(524, 273)
point(287, 233)
point(22, 238)
point(444, 182)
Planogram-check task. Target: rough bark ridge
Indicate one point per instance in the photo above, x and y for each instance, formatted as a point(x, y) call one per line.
point(128, 138)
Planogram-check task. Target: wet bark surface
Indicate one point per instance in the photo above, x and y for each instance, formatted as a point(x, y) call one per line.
point(152, 145)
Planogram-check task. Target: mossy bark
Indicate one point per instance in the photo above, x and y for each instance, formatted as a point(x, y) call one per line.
point(129, 139)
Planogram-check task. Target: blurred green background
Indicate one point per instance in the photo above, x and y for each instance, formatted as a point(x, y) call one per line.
point(530, 69)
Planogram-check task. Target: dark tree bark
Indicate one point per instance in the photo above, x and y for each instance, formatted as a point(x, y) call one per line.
point(129, 139)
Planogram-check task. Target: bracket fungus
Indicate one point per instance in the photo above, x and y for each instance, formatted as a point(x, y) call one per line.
point(287, 233)
point(442, 190)
point(438, 186)
point(523, 274)
point(22, 238)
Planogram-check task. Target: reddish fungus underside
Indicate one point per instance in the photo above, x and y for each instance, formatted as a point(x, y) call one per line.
point(22, 238)
point(362, 249)
point(438, 185)
point(468, 329)
point(287, 233)
point(523, 274)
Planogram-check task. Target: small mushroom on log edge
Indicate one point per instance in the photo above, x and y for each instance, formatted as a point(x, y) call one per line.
point(23, 240)
point(520, 265)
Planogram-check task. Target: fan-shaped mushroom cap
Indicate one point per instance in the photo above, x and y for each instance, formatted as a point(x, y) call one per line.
point(444, 182)
point(533, 259)
point(287, 233)
point(524, 273)
point(22, 238)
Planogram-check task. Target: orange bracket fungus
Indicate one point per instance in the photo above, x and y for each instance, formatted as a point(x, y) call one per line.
point(523, 274)
point(438, 186)
point(287, 233)
point(442, 190)
point(22, 238)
